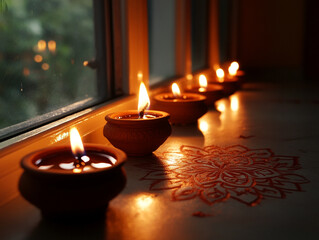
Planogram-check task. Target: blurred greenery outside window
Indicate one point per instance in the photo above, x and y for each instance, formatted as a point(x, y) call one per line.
point(45, 53)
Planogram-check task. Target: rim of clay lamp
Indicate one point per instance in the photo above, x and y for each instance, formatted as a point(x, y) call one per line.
point(197, 97)
point(27, 162)
point(211, 87)
point(227, 79)
point(113, 117)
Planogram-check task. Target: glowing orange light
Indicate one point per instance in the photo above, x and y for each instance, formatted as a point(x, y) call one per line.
point(143, 100)
point(52, 46)
point(176, 91)
point(85, 63)
point(26, 71)
point(38, 58)
point(42, 45)
point(232, 71)
point(76, 143)
point(235, 65)
point(45, 66)
point(234, 104)
point(202, 81)
point(220, 75)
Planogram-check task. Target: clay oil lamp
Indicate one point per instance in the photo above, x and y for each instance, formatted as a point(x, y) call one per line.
point(65, 183)
point(184, 108)
point(230, 84)
point(212, 92)
point(233, 71)
point(138, 132)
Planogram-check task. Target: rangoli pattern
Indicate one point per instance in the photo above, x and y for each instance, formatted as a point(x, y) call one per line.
point(215, 174)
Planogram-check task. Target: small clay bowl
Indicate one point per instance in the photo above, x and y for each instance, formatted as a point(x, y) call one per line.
point(61, 194)
point(229, 85)
point(137, 137)
point(184, 110)
point(240, 76)
point(212, 93)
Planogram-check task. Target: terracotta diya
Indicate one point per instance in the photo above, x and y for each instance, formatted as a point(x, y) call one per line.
point(138, 132)
point(212, 92)
point(184, 108)
point(233, 71)
point(230, 84)
point(67, 184)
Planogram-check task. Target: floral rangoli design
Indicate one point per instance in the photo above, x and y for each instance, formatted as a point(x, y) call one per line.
point(215, 174)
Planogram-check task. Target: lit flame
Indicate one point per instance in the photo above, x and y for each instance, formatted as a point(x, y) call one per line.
point(42, 45)
point(202, 81)
point(52, 46)
point(234, 105)
point(220, 74)
point(143, 100)
point(232, 71)
point(76, 143)
point(233, 68)
point(176, 91)
point(235, 65)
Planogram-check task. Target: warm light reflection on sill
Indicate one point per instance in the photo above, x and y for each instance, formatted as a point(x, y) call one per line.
point(203, 126)
point(144, 201)
point(234, 103)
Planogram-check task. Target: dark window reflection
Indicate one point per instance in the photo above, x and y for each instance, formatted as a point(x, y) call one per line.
point(199, 34)
point(44, 51)
point(161, 30)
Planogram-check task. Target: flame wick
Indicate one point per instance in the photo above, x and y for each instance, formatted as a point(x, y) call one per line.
point(141, 113)
point(220, 75)
point(143, 100)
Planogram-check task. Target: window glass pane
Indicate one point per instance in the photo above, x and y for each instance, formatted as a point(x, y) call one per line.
point(44, 47)
point(223, 9)
point(199, 34)
point(161, 28)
